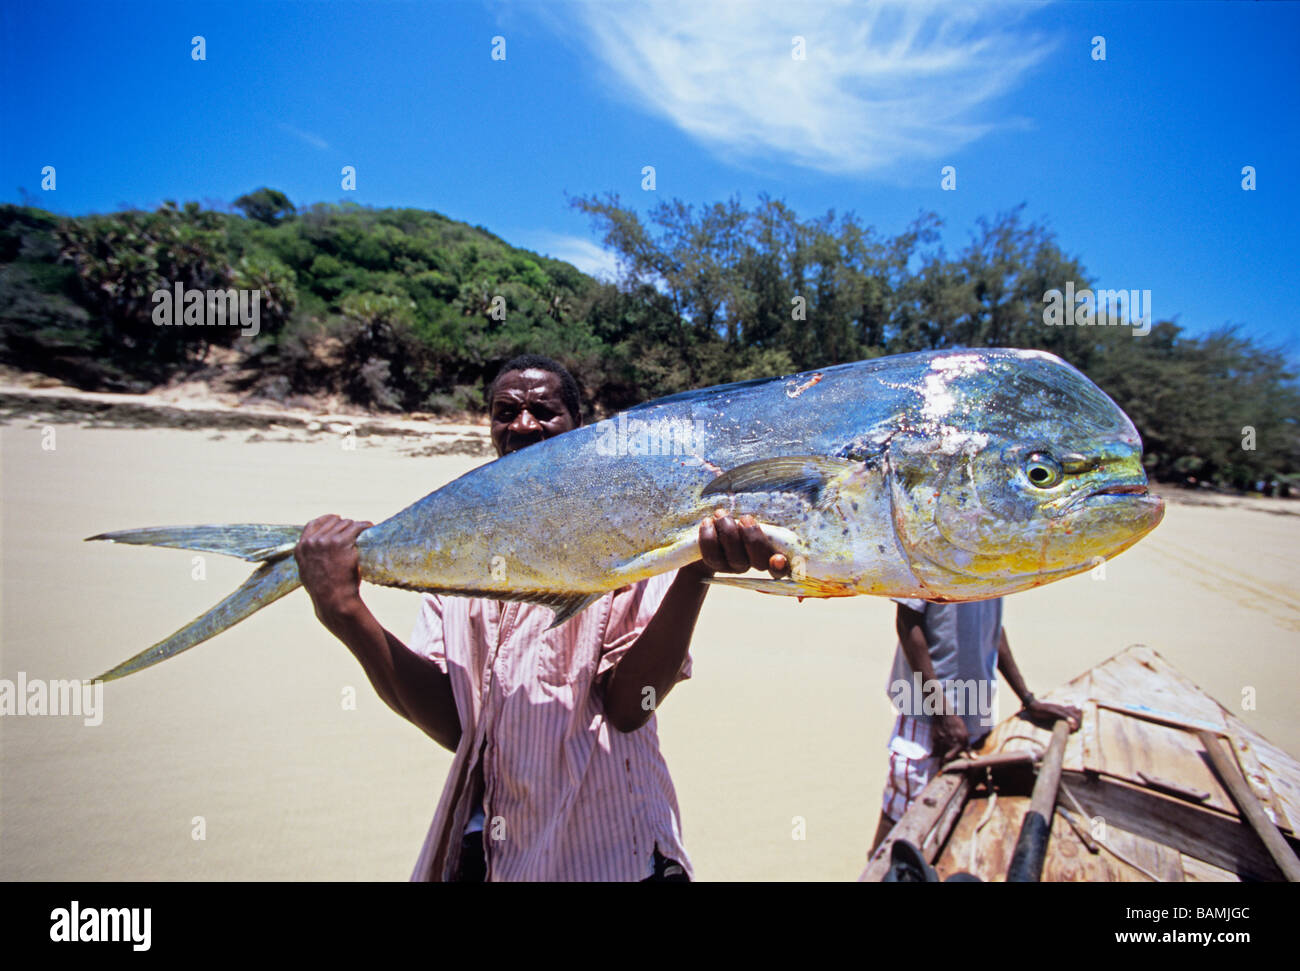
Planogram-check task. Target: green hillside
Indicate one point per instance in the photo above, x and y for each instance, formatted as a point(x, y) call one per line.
point(407, 310)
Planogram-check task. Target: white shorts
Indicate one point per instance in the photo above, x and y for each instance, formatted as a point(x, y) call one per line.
point(911, 766)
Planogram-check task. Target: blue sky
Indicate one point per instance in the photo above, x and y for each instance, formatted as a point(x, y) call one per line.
point(1135, 161)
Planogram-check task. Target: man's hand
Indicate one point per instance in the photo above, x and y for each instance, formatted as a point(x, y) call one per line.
point(948, 737)
point(1039, 712)
point(736, 545)
point(1045, 714)
point(329, 564)
point(410, 684)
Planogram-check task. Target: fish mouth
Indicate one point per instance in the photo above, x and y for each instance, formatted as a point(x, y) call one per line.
point(1123, 489)
point(1134, 492)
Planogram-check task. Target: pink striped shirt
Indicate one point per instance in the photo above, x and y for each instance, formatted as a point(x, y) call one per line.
point(567, 796)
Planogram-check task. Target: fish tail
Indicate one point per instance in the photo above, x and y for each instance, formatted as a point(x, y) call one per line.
point(254, 542)
point(269, 583)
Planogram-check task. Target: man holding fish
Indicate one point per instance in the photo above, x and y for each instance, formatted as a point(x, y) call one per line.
point(946, 476)
point(558, 773)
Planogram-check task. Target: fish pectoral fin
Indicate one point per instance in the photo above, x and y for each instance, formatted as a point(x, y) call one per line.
point(570, 606)
point(807, 587)
point(805, 475)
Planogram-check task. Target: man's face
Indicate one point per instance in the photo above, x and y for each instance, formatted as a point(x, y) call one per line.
point(527, 406)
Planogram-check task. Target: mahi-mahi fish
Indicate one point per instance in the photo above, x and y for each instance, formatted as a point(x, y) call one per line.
point(946, 476)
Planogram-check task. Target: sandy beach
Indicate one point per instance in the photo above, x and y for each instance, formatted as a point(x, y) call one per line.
point(250, 738)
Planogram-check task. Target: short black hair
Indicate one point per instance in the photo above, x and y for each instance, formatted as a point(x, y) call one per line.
point(569, 392)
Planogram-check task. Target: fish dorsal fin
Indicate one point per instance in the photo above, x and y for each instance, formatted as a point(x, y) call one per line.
point(805, 475)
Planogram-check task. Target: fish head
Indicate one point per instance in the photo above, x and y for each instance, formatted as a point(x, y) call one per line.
point(1016, 470)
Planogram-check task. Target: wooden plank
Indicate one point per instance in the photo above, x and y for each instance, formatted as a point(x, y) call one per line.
point(955, 853)
point(1171, 754)
point(1071, 862)
point(1283, 774)
point(935, 839)
point(1132, 746)
point(1067, 860)
point(1088, 735)
point(1255, 775)
point(1198, 871)
point(1139, 678)
point(1206, 834)
point(1072, 757)
point(1161, 717)
point(1154, 857)
point(1225, 764)
point(916, 824)
point(994, 843)
point(1016, 735)
point(1124, 843)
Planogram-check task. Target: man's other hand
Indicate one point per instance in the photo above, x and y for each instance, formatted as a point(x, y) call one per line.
point(736, 545)
point(949, 737)
point(1045, 715)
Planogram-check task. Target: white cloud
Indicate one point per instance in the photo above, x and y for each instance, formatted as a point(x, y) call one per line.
point(582, 253)
point(315, 141)
point(882, 83)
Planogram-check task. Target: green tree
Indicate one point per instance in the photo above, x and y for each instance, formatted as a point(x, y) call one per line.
point(270, 206)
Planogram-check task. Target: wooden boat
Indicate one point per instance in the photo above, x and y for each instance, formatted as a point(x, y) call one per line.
point(1160, 783)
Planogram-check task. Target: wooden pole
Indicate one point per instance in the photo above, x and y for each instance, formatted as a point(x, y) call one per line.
point(1036, 830)
point(1252, 810)
point(990, 761)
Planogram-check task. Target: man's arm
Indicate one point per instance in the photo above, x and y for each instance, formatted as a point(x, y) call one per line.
point(949, 736)
point(1037, 711)
point(726, 546)
point(411, 685)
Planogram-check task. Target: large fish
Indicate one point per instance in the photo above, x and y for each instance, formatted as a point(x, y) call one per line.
point(948, 476)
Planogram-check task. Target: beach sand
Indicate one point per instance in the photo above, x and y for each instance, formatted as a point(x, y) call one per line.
point(250, 738)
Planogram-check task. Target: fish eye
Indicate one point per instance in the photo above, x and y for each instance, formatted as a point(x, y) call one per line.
point(1043, 470)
